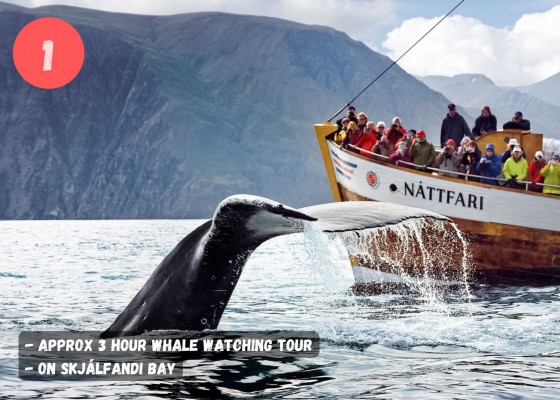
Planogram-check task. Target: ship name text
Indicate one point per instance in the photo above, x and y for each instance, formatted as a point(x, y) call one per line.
point(445, 196)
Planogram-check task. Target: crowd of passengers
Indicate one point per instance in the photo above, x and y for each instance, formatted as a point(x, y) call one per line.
point(460, 152)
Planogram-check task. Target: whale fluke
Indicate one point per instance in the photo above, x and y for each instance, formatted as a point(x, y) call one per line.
point(191, 287)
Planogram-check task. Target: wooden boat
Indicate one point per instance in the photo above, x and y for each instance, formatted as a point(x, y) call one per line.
point(514, 234)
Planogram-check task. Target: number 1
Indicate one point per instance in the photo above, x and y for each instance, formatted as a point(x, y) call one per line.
point(48, 47)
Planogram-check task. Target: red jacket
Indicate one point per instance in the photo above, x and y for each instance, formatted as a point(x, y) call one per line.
point(533, 174)
point(366, 142)
point(394, 136)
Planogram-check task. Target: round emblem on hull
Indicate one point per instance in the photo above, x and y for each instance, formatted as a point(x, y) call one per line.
point(372, 179)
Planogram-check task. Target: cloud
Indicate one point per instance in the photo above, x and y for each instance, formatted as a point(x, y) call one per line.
point(361, 19)
point(523, 54)
point(520, 54)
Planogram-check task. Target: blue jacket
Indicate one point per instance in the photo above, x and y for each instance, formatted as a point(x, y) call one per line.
point(491, 169)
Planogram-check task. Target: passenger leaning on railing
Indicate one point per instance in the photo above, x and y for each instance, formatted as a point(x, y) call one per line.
point(401, 154)
point(394, 133)
point(341, 131)
point(533, 172)
point(515, 168)
point(449, 160)
point(353, 135)
point(384, 147)
point(368, 139)
point(551, 175)
point(422, 152)
point(470, 159)
point(489, 165)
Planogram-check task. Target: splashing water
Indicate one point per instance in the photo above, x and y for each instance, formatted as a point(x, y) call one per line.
point(426, 255)
point(423, 257)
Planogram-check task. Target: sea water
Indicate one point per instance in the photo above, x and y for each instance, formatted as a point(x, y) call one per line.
point(498, 342)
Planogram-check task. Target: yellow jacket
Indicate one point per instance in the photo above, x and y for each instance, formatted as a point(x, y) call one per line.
point(517, 169)
point(339, 136)
point(551, 175)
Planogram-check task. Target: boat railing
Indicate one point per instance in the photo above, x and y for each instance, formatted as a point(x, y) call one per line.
point(449, 174)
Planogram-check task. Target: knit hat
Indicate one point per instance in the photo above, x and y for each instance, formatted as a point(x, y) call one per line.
point(450, 141)
point(420, 134)
point(381, 123)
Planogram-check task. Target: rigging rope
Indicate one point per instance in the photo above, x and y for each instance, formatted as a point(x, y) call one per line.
point(396, 61)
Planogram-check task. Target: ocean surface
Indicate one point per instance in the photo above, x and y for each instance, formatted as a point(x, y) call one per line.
point(491, 342)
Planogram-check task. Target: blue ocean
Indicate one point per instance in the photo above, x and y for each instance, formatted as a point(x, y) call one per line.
point(492, 342)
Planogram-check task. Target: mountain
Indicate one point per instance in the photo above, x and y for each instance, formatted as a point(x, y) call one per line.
point(171, 114)
point(473, 91)
point(547, 90)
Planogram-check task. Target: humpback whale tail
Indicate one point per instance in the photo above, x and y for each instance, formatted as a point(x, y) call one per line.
point(191, 287)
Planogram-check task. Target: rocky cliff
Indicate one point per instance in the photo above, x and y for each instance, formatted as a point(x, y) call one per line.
point(171, 114)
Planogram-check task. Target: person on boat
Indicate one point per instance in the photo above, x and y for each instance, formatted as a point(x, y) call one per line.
point(507, 152)
point(485, 123)
point(551, 175)
point(398, 123)
point(353, 136)
point(408, 137)
point(368, 140)
point(422, 152)
point(533, 172)
point(380, 129)
point(341, 132)
point(464, 145)
point(517, 122)
point(454, 126)
point(394, 134)
point(384, 147)
point(350, 114)
point(362, 121)
point(401, 154)
point(489, 165)
point(470, 160)
point(515, 168)
point(449, 160)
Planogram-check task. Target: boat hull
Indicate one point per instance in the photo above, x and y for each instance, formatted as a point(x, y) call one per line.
point(514, 235)
point(502, 253)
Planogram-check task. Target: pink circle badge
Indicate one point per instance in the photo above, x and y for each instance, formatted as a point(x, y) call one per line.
point(48, 53)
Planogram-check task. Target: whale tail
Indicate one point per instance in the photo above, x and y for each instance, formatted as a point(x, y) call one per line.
point(191, 287)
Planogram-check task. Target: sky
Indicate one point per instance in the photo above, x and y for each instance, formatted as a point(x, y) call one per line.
point(513, 42)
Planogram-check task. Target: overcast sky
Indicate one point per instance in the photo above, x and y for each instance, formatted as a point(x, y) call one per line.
point(513, 42)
